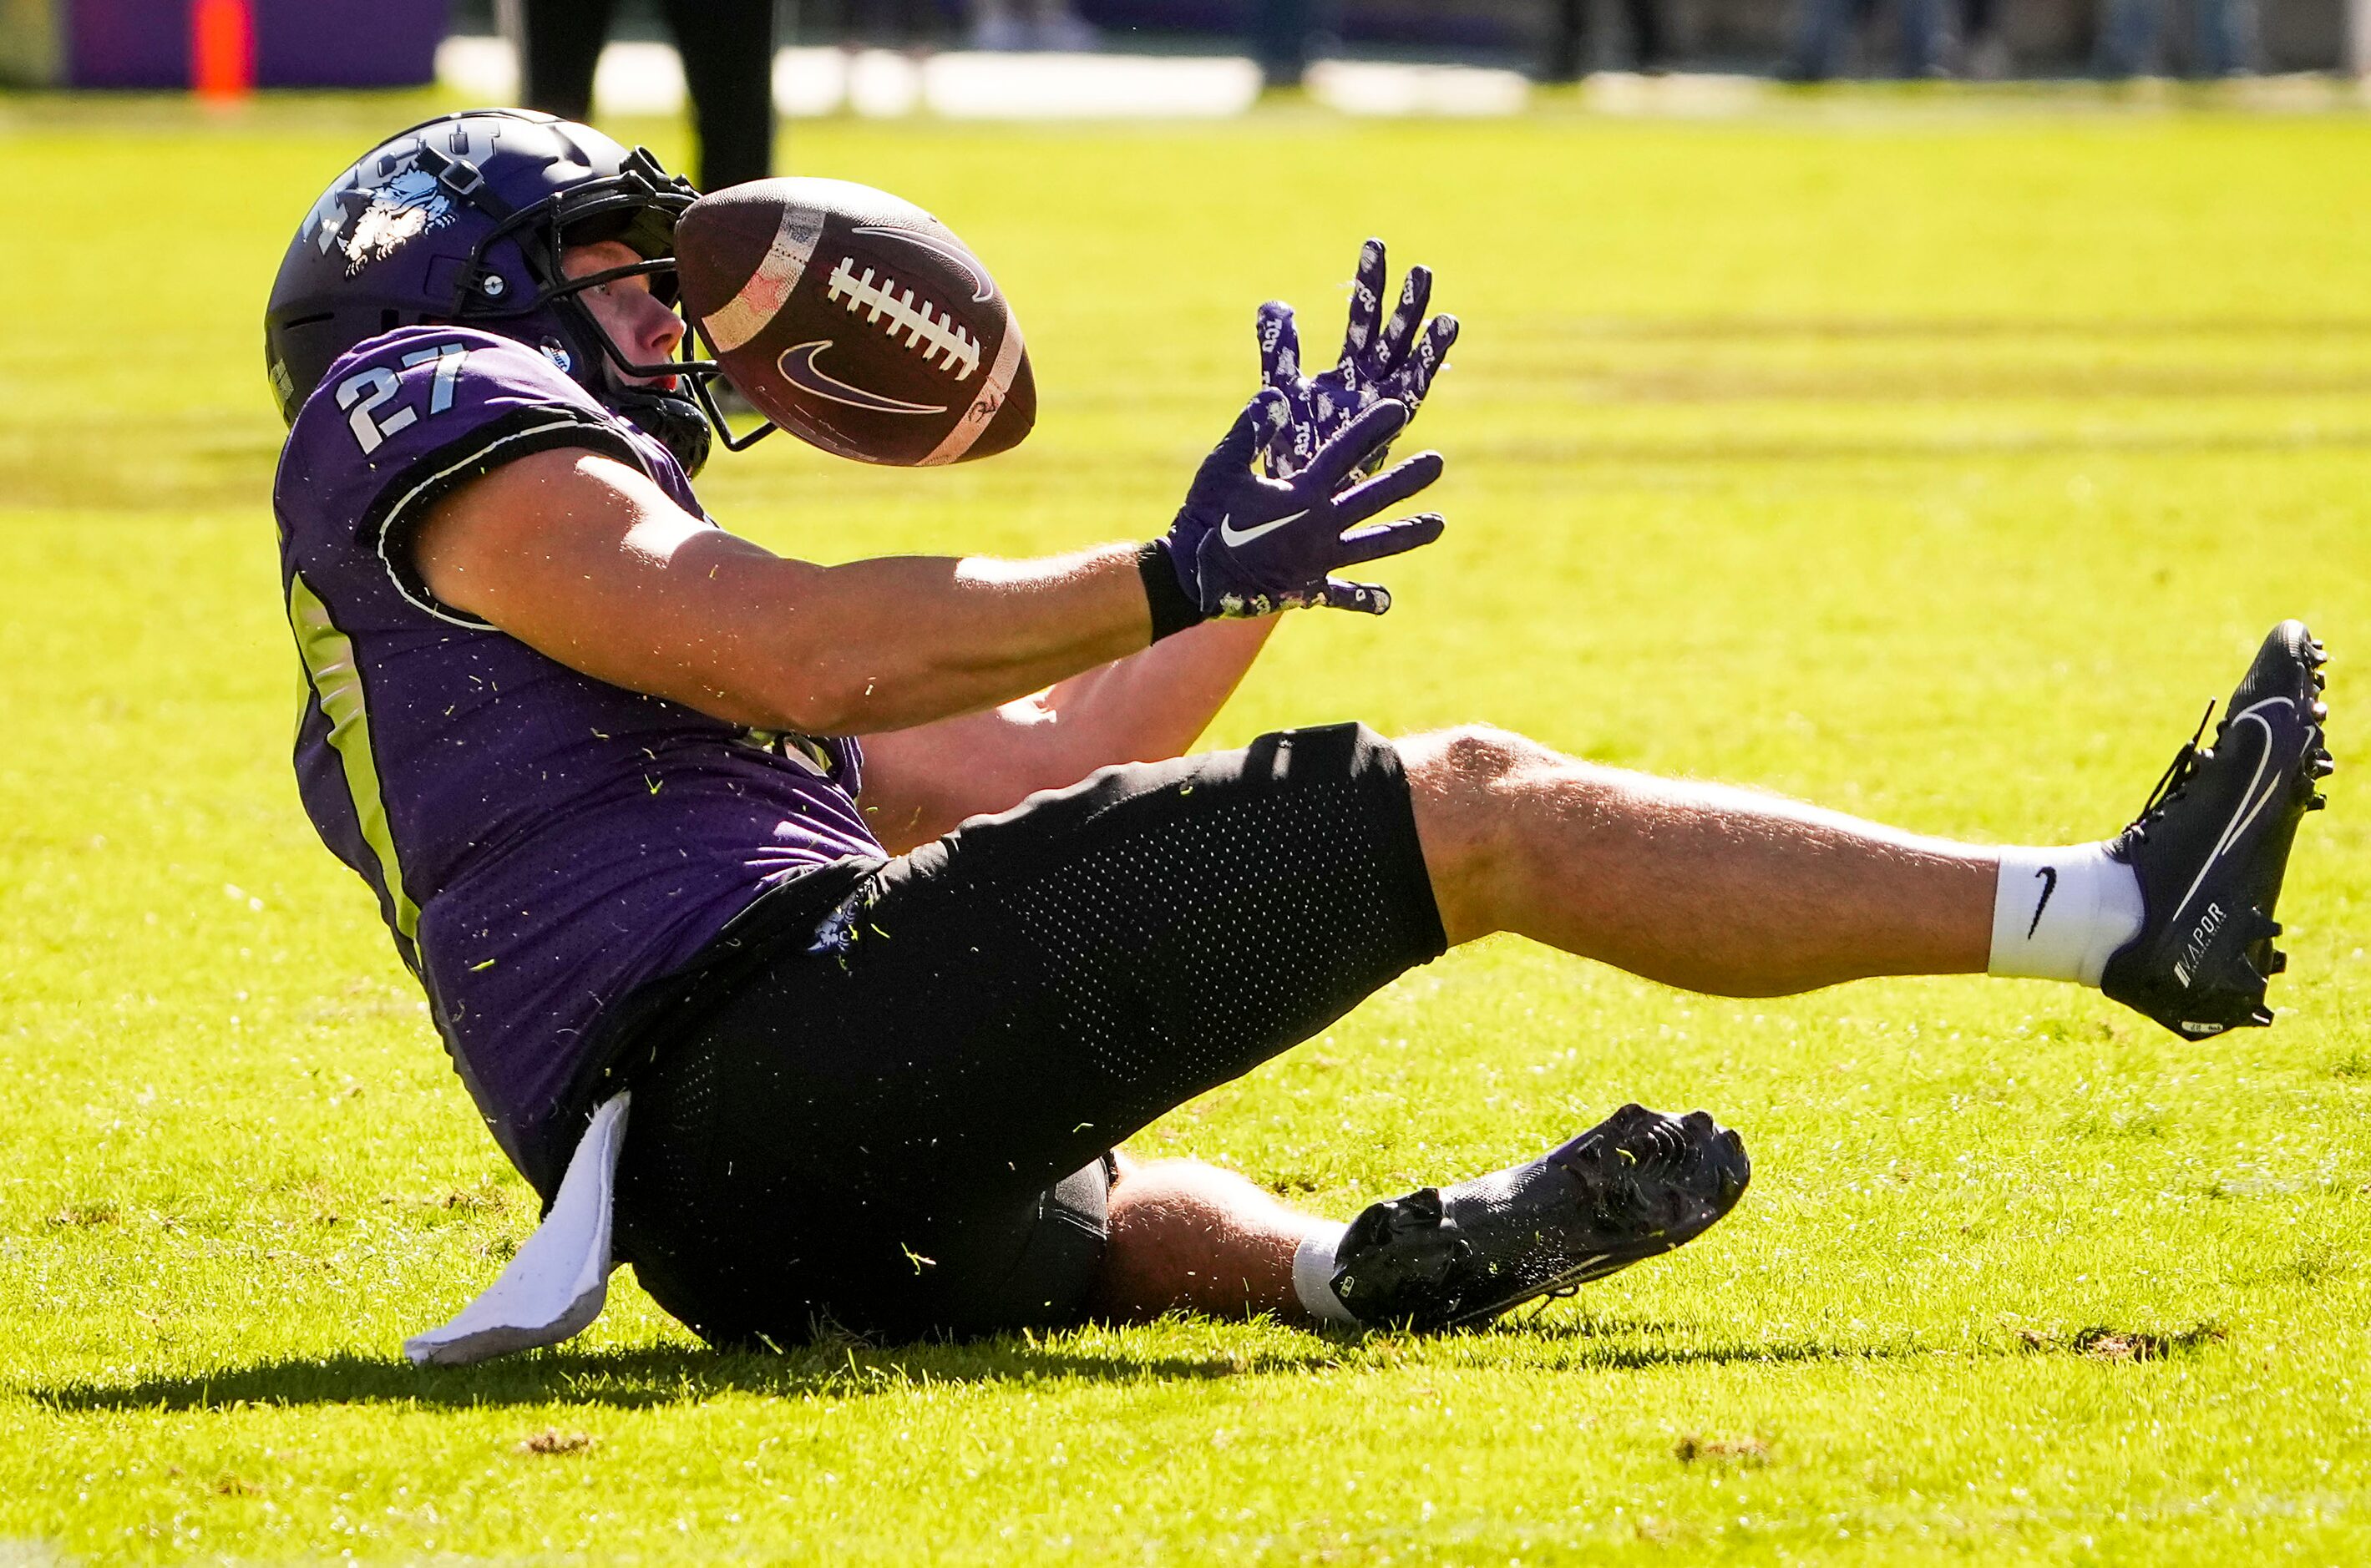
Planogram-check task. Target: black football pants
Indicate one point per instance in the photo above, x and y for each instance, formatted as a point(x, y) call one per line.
point(890, 1113)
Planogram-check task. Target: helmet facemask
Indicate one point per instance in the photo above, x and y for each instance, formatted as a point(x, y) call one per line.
point(637, 206)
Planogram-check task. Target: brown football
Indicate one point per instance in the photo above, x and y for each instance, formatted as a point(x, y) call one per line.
point(855, 321)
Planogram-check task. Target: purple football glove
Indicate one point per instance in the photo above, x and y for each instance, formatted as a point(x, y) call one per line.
point(1248, 546)
point(1380, 359)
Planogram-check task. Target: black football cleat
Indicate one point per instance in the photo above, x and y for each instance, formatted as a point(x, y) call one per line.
point(1639, 1184)
point(2213, 843)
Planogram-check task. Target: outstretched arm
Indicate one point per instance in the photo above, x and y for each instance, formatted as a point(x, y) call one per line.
point(586, 559)
point(1151, 705)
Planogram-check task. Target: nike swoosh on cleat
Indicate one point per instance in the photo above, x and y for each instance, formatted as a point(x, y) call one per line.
point(2049, 885)
point(798, 367)
point(2250, 801)
point(1234, 535)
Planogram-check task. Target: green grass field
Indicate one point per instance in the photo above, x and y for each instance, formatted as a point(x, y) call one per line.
point(1932, 459)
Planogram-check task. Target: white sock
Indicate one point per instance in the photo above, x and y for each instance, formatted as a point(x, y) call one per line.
point(1312, 1276)
point(2061, 914)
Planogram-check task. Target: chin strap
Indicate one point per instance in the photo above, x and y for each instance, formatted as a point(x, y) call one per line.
point(671, 418)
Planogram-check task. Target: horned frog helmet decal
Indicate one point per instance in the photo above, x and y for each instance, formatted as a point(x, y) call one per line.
point(462, 219)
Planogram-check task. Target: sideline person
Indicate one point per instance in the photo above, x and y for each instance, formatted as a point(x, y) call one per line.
point(1826, 27)
point(885, 1005)
point(2132, 34)
point(1565, 58)
point(727, 49)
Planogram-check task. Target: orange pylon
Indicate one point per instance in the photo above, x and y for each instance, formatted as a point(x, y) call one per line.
point(222, 50)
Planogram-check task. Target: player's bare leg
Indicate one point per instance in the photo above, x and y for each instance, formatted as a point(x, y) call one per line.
point(1731, 891)
point(1185, 1236)
point(1188, 1236)
point(1698, 885)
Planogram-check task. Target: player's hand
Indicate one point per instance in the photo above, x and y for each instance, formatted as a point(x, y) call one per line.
point(1395, 359)
point(1245, 544)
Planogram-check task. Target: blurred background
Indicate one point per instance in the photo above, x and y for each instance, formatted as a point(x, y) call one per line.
point(1161, 57)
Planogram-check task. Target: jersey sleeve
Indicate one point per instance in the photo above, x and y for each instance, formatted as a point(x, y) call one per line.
point(408, 416)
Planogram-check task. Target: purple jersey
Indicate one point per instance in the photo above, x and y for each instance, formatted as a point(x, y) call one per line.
point(541, 842)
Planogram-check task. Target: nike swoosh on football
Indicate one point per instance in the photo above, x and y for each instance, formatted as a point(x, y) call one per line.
point(2250, 801)
point(1234, 535)
point(798, 367)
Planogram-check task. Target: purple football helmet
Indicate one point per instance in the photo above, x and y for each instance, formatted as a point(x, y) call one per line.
point(462, 219)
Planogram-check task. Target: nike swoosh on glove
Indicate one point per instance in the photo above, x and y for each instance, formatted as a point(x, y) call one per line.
point(1245, 546)
point(1395, 359)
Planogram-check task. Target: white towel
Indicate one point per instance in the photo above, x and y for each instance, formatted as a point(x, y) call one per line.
point(558, 1280)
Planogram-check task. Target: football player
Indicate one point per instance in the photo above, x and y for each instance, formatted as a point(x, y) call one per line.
point(886, 1005)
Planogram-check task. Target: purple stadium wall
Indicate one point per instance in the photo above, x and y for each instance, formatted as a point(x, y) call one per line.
point(298, 43)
